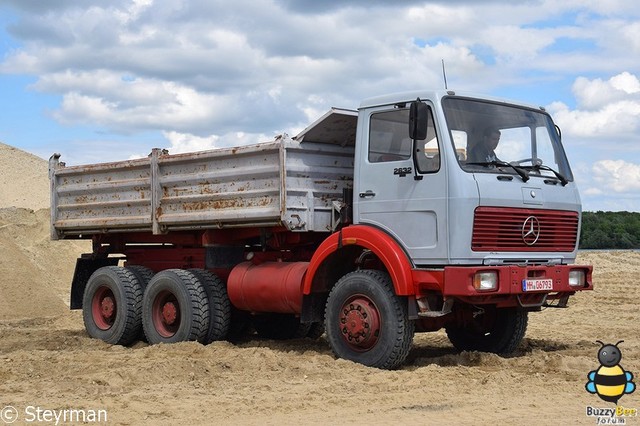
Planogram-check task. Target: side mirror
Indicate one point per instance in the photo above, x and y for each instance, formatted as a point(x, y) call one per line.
point(418, 120)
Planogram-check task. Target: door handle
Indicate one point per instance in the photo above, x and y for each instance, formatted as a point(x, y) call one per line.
point(368, 193)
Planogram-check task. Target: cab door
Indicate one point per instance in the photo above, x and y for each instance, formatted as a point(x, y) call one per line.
point(405, 197)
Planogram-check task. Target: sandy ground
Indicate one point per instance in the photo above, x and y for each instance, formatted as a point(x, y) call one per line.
point(47, 360)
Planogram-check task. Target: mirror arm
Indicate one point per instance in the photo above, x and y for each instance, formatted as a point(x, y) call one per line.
point(416, 176)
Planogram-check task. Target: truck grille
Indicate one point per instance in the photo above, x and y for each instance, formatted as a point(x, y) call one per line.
point(504, 229)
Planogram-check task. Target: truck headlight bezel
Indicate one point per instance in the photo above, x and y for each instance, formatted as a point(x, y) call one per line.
point(485, 281)
point(577, 278)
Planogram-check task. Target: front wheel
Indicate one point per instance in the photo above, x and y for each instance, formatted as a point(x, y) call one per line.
point(366, 322)
point(496, 330)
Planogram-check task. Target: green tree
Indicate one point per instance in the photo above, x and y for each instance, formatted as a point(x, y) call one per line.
point(610, 230)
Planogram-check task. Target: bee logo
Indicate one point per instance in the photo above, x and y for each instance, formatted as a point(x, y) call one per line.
point(610, 381)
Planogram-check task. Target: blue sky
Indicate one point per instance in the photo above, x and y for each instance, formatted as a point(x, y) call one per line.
point(102, 81)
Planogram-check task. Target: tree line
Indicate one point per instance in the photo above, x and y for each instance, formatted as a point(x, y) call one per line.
point(610, 230)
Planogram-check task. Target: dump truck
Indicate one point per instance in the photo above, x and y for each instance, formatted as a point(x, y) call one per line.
point(368, 226)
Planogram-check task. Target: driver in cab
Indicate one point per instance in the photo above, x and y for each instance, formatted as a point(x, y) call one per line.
point(483, 150)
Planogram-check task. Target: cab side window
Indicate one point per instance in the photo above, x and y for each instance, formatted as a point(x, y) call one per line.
point(389, 141)
point(389, 136)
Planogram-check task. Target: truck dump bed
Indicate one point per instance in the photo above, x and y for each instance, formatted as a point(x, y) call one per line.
point(280, 183)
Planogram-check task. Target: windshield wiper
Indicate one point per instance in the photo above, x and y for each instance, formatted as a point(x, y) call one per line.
point(563, 180)
point(519, 170)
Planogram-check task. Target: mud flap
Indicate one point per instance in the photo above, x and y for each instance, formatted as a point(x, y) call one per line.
point(85, 266)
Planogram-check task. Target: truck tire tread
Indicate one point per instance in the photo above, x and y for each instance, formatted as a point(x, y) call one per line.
point(128, 295)
point(191, 296)
point(396, 333)
point(219, 304)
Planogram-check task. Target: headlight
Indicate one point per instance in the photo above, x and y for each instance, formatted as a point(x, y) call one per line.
point(485, 281)
point(576, 278)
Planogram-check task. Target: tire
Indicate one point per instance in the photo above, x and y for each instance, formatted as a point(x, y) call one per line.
point(497, 330)
point(366, 322)
point(142, 273)
point(175, 308)
point(112, 305)
point(280, 326)
point(219, 305)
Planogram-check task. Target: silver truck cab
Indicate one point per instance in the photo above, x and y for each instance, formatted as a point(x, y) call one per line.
point(456, 198)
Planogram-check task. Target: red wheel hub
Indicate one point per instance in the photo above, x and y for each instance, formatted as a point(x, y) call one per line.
point(360, 323)
point(103, 308)
point(165, 313)
point(108, 307)
point(169, 313)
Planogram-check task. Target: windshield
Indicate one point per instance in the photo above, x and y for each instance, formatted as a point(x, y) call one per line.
point(487, 135)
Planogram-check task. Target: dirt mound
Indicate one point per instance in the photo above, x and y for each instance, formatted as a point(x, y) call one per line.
point(36, 272)
point(24, 179)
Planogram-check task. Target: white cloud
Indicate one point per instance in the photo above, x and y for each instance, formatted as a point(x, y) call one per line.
point(596, 93)
point(184, 142)
point(592, 191)
point(608, 109)
point(128, 104)
point(617, 175)
point(512, 43)
point(205, 68)
point(611, 185)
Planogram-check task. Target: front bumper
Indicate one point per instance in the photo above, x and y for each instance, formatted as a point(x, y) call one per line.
point(457, 282)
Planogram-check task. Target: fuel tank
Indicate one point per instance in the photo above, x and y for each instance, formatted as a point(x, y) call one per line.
point(267, 287)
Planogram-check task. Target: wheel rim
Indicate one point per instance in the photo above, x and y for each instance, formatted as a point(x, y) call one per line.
point(166, 314)
point(104, 308)
point(360, 323)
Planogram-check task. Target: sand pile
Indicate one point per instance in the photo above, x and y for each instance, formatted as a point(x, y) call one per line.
point(24, 179)
point(35, 272)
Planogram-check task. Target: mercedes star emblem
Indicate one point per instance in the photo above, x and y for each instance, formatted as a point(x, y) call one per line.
point(531, 230)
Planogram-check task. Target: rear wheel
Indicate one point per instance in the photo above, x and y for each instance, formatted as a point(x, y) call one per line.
point(219, 304)
point(142, 273)
point(496, 330)
point(366, 322)
point(175, 308)
point(112, 305)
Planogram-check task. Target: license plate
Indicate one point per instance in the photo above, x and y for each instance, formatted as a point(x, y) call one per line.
point(537, 285)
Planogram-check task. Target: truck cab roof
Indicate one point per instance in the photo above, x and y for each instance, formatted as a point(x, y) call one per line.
point(338, 125)
point(394, 98)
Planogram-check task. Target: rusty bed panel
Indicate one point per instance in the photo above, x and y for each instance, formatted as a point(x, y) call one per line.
point(277, 183)
point(315, 176)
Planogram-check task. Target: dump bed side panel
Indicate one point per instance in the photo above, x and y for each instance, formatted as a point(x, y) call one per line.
point(281, 183)
point(101, 197)
point(316, 174)
point(221, 188)
point(217, 188)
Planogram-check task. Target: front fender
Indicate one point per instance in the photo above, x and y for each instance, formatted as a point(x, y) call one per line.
point(385, 247)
